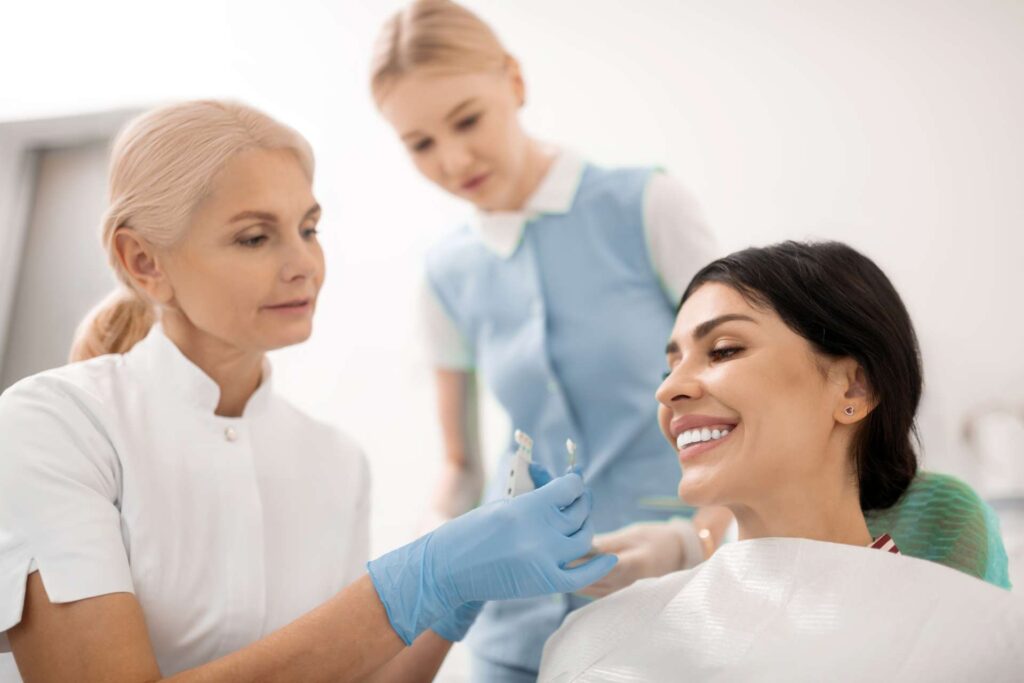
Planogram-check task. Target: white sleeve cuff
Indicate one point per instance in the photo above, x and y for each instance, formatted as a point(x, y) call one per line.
point(447, 347)
point(678, 238)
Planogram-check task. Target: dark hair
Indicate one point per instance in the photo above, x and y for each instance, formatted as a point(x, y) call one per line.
point(843, 304)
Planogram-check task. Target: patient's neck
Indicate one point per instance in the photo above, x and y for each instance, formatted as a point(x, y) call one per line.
point(824, 510)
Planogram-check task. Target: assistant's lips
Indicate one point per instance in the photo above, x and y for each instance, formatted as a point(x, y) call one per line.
point(475, 182)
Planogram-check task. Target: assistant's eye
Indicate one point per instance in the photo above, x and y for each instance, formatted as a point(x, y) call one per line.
point(724, 352)
point(310, 233)
point(423, 145)
point(253, 241)
point(468, 122)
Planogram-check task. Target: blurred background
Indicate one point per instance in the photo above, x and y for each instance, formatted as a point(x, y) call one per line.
point(895, 127)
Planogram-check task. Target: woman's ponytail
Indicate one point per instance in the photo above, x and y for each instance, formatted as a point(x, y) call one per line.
point(115, 325)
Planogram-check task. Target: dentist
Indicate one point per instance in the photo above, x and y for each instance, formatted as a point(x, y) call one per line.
point(164, 512)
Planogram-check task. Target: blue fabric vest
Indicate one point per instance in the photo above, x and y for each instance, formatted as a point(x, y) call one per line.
point(569, 334)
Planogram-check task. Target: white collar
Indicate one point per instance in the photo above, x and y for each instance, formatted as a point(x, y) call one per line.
point(501, 231)
point(164, 366)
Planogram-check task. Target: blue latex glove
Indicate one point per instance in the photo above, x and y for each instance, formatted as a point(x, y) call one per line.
point(541, 476)
point(454, 627)
point(507, 549)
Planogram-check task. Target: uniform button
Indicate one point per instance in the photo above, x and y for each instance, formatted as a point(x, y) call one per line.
point(230, 434)
point(552, 386)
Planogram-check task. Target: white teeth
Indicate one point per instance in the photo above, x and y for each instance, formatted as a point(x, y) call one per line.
point(691, 436)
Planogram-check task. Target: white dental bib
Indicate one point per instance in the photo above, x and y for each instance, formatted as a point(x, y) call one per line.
point(795, 610)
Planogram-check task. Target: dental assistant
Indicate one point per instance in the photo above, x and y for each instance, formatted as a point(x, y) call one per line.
point(165, 513)
point(559, 294)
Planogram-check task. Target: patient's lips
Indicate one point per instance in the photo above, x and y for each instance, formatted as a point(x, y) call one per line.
point(696, 434)
point(689, 422)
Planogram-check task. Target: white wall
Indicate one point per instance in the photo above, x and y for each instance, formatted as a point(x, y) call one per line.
point(893, 126)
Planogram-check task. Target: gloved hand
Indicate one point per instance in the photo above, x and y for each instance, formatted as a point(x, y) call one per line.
point(507, 549)
point(454, 627)
point(645, 549)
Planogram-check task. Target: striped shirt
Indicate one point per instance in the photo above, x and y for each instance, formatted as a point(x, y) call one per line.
point(885, 542)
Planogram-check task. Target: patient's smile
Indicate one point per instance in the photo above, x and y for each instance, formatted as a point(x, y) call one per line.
point(694, 436)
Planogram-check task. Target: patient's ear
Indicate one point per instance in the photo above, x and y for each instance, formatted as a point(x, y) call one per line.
point(855, 398)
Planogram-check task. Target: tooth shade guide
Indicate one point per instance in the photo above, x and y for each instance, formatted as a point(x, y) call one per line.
point(525, 449)
point(519, 479)
point(570, 447)
point(524, 440)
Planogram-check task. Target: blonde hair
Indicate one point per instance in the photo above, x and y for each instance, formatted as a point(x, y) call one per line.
point(433, 34)
point(162, 166)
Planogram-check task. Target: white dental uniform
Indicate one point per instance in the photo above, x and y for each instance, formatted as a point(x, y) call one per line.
point(117, 476)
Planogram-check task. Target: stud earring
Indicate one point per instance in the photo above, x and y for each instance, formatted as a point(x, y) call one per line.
point(849, 410)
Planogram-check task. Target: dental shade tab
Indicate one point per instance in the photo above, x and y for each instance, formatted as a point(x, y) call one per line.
point(519, 479)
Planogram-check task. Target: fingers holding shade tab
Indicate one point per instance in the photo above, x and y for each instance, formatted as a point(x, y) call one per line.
point(508, 549)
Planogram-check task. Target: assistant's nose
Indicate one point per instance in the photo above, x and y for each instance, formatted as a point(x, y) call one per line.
point(456, 159)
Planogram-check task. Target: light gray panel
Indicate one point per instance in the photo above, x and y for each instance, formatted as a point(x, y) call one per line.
point(63, 271)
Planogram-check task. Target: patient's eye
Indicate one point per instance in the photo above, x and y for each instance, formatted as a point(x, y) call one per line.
point(724, 352)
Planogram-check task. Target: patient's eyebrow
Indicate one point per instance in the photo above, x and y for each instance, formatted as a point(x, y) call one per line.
point(704, 329)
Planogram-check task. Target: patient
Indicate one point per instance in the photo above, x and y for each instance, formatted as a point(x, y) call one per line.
point(794, 377)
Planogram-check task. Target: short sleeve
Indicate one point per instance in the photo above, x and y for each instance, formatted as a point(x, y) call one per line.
point(59, 483)
point(447, 347)
point(678, 238)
